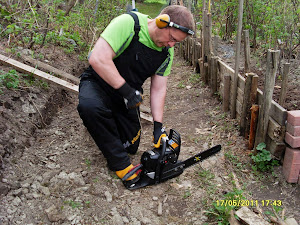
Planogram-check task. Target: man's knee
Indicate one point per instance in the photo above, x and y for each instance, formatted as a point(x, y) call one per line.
point(92, 109)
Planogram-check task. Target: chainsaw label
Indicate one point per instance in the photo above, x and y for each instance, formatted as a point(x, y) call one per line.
point(197, 158)
point(173, 144)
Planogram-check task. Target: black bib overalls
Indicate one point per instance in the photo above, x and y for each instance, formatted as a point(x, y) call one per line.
point(115, 129)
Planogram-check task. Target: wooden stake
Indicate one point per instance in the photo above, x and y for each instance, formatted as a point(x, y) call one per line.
point(263, 120)
point(245, 104)
point(253, 100)
point(247, 51)
point(285, 76)
point(226, 92)
point(253, 94)
point(237, 57)
point(214, 74)
point(253, 124)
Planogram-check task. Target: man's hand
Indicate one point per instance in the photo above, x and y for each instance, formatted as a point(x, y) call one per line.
point(132, 98)
point(158, 133)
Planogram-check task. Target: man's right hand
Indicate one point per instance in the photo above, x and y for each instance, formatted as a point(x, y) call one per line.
point(158, 133)
point(133, 98)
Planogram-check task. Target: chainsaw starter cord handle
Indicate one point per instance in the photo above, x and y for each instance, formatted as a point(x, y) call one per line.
point(132, 98)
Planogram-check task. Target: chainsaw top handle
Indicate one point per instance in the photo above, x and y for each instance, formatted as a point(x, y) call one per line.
point(160, 159)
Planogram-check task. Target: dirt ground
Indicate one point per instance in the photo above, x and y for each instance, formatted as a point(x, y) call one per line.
point(53, 173)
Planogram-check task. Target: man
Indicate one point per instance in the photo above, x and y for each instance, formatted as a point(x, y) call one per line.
point(132, 48)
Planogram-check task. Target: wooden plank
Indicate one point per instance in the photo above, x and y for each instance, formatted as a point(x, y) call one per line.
point(277, 112)
point(241, 82)
point(238, 107)
point(146, 117)
point(276, 148)
point(284, 83)
point(51, 69)
point(225, 69)
point(240, 95)
point(249, 217)
point(275, 131)
point(23, 68)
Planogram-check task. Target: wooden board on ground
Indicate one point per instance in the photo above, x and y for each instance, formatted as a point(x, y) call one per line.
point(21, 67)
point(249, 217)
point(50, 69)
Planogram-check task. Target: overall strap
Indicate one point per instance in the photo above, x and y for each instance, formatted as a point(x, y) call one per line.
point(137, 26)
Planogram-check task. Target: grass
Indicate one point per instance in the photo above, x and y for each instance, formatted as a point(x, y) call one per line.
point(151, 8)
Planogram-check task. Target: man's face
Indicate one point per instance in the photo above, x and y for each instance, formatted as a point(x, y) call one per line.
point(168, 37)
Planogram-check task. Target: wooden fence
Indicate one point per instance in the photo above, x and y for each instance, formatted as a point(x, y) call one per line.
point(261, 118)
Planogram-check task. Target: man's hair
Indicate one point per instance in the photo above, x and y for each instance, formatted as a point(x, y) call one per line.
point(180, 15)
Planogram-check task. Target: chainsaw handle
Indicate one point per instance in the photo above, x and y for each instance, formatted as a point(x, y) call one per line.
point(160, 160)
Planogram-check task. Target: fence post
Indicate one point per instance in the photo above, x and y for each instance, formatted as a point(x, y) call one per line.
point(237, 57)
point(245, 104)
point(226, 92)
point(197, 56)
point(247, 51)
point(263, 118)
point(206, 44)
point(286, 70)
point(253, 124)
point(253, 100)
point(214, 74)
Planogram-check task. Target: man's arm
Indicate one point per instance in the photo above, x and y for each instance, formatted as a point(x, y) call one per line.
point(101, 60)
point(158, 91)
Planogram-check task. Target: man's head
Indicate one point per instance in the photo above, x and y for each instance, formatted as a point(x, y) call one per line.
point(178, 17)
point(173, 25)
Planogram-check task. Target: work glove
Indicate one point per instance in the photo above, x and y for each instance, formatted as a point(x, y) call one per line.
point(132, 98)
point(158, 133)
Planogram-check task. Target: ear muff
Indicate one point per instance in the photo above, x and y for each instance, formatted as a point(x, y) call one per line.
point(162, 21)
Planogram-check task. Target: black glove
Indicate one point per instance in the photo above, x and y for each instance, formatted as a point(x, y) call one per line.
point(132, 98)
point(158, 133)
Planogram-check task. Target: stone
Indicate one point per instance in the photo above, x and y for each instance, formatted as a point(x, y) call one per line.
point(159, 209)
point(53, 214)
point(291, 165)
point(108, 196)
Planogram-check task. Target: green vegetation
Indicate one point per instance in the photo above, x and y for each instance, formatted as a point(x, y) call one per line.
point(14, 80)
point(76, 25)
point(263, 160)
point(150, 7)
point(73, 26)
point(221, 208)
point(270, 23)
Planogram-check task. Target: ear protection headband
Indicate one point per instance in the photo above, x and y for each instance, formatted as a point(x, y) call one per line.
point(163, 21)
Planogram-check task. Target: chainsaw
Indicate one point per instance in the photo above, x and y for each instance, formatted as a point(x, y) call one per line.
point(161, 164)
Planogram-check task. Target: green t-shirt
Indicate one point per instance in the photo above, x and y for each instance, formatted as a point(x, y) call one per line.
point(120, 32)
